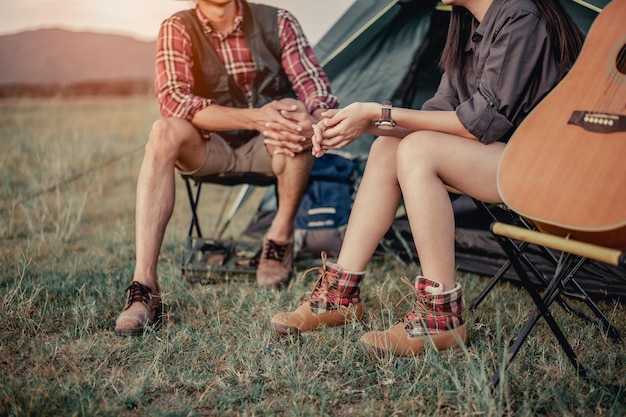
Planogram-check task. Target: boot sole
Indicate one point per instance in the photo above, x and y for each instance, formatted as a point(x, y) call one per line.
point(441, 342)
point(284, 330)
point(349, 316)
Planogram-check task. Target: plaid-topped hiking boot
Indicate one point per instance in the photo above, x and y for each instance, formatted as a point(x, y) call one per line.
point(436, 315)
point(143, 308)
point(275, 263)
point(334, 301)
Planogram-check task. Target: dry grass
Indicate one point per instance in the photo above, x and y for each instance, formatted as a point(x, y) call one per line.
point(66, 255)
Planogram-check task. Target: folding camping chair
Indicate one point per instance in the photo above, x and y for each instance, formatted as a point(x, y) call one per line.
point(519, 249)
point(575, 254)
point(501, 213)
point(203, 256)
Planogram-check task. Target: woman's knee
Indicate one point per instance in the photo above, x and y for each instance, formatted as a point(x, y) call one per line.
point(383, 151)
point(381, 161)
point(416, 150)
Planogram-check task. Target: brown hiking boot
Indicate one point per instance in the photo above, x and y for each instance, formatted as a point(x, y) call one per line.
point(436, 315)
point(334, 302)
point(275, 263)
point(143, 308)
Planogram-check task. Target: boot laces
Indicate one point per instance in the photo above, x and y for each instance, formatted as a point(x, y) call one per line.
point(138, 292)
point(420, 306)
point(322, 286)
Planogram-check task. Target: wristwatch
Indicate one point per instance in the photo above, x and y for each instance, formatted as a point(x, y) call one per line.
point(385, 122)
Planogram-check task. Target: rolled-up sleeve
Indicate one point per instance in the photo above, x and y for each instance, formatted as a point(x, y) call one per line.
point(480, 116)
point(517, 70)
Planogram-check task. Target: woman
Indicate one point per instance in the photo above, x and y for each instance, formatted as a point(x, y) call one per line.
point(501, 58)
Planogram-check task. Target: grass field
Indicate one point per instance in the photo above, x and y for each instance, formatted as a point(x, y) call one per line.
point(68, 173)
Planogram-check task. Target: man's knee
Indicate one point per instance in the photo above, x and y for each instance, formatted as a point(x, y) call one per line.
point(168, 136)
point(300, 163)
point(160, 128)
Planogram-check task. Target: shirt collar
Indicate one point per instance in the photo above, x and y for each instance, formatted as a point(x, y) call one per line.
point(209, 27)
point(479, 28)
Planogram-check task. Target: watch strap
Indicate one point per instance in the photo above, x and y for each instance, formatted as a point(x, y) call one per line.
point(386, 111)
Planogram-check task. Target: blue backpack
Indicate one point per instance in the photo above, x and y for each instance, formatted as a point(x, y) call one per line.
point(323, 214)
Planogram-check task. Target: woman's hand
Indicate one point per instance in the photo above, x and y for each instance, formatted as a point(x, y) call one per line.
point(341, 127)
point(316, 139)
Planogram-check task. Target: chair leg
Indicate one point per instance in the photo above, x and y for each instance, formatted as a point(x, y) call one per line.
point(492, 283)
point(610, 330)
point(542, 310)
point(503, 269)
point(191, 243)
point(242, 196)
point(519, 250)
point(193, 202)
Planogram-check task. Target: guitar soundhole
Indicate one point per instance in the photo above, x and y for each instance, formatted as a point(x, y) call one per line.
point(621, 60)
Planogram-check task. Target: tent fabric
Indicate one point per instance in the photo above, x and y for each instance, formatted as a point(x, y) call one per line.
point(372, 49)
point(380, 50)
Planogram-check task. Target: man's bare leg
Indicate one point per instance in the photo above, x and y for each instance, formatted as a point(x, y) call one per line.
point(292, 175)
point(170, 140)
point(427, 162)
point(292, 179)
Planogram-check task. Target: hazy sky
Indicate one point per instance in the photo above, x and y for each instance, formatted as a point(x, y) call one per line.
point(141, 18)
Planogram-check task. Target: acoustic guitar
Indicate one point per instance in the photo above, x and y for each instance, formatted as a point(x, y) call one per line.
point(564, 168)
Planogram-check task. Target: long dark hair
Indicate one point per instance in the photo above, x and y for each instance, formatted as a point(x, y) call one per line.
point(567, 38)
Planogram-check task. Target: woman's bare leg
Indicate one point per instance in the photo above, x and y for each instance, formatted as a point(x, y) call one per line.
point(374, 207)
point(427, 161)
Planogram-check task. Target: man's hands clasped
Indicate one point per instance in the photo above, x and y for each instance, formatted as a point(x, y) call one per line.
point(287, 126)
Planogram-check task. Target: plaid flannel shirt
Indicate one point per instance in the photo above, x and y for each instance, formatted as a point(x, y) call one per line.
point(174, 79)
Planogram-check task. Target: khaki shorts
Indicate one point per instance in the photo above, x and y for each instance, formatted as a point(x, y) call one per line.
point(252, 156)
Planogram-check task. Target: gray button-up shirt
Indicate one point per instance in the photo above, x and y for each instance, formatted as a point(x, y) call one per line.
point(509, 65)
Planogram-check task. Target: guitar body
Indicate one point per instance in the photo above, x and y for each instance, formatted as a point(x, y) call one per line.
point(564, 168)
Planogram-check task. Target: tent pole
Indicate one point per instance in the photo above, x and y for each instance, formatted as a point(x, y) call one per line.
point(358, 33)
point(588, 5)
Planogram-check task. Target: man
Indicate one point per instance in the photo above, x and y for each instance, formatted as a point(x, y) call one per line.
point(239, 89)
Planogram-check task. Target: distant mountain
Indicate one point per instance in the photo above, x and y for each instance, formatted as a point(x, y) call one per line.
point(57, 56)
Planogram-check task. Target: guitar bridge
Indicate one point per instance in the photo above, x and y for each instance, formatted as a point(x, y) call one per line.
point(598, 122)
